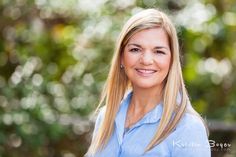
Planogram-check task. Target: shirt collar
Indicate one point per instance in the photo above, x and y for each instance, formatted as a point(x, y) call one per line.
point(151, 117)
point(154, 115)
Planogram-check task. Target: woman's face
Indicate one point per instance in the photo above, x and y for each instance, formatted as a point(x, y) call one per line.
point(146, 58)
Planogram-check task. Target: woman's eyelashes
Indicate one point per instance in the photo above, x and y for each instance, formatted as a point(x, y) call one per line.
point(134, 50)
point(160, 52)
point(139, 50)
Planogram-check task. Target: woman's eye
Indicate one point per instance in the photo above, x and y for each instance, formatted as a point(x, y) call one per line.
point(134, 50)
point(160, 52)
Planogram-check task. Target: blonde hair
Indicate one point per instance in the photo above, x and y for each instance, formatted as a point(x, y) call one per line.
point(118, 83)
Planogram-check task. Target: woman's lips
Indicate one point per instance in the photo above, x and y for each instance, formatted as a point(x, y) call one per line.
point(145, 72)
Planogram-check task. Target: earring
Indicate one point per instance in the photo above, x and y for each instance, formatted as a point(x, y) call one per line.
point(121, 66)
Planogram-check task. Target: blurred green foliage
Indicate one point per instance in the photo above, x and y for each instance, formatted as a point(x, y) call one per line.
point(55, 56)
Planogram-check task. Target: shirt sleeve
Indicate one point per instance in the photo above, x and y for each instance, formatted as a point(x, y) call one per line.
point(191, 139)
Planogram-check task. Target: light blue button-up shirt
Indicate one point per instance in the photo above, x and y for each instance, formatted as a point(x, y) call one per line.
point(189, 139)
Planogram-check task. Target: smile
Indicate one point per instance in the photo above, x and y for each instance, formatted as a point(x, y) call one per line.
point(145, 72)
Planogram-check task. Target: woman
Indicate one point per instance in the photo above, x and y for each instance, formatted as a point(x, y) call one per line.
point(147, 110)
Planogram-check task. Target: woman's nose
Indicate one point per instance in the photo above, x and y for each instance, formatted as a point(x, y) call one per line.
point(146, 58)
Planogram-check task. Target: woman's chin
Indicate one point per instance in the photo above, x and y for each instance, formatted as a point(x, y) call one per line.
point(146, 85)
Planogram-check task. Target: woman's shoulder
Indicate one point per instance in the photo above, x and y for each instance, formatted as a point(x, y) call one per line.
point(98, 119)
point(191, 127)
point(190, 120)
point(100, 113)
point(190, 137)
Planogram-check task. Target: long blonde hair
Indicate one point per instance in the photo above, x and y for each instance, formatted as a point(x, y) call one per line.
point(117, 82)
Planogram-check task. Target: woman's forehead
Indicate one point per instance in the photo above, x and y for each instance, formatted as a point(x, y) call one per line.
point(154, 37)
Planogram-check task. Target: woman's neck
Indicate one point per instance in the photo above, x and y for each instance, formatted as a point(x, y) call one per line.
point(144, 100)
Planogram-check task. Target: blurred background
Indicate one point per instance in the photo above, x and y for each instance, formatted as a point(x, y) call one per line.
point(55, 56)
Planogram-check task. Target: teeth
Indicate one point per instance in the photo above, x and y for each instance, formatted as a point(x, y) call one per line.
point(147, 71)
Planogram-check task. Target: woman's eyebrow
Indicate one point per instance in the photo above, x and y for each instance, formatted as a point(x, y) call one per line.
point(161, 47)
point(137, 45)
